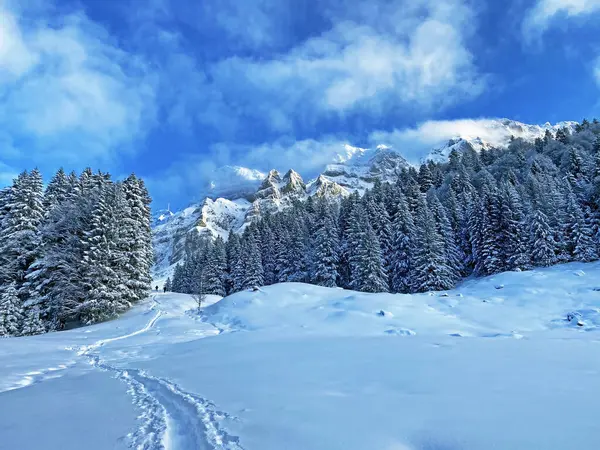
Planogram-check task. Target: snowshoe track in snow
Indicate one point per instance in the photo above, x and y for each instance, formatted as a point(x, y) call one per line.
point(192, 423)
point(83, 351)
point(171, 419)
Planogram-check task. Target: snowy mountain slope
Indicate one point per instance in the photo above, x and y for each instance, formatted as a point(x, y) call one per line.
point(212, 217)
point(494, 133)
point(494, 363)
point(359, 171)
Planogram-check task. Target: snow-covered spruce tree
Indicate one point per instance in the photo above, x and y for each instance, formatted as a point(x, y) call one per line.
point(513, 241)
point(382, 225)
point(425, 178)
point(283, 266)
point(267, 243)
point(444, 230)
point(250, 260)
point(356, 227)
point(168, 285)
point(431, 271)
point(458, 206)
point(345, 226)
point(298, 252)
point(369, 274)
point(54, 280)
point(577, 233)
point(541, 241)
point(403, 241)
point(232, 248)
point(488, 258)
point(326, 246)
point(136, 238)
point(216, 265)
point(20, 223)
point(4, 198)
point(32, 322)
point(106, 295)
point(11, 311)
point(57, 191)
point(594, 195)
point(177, 284)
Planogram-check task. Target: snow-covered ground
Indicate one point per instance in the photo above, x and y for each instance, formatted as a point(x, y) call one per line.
point(493, 364)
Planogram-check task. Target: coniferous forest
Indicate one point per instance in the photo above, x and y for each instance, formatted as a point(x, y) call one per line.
point(533, 204)
point(77, 252)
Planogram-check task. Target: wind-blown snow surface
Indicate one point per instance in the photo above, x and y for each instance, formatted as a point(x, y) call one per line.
point(493, 364)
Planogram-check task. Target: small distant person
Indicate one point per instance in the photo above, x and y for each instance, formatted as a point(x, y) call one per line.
point(156, 287)
point(164, 289)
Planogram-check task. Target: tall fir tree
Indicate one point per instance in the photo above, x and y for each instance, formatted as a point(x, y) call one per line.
point(136, 237)
point(431, 271)
point(446, 234)
point(369, 274)
point(403, 247)
point(326, 245)
point(233, 256)
point(11, 311)
point(19, 229)
point(541, 240)
point(576, 231)
point(216, 264)
point(513, 238)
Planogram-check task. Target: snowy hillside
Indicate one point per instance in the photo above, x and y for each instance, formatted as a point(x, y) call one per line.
point(495, 363)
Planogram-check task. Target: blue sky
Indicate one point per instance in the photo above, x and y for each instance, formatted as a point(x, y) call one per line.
point(173, 89)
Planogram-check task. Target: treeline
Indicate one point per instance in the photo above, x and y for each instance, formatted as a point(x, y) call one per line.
point(79, 251)
point(530, 205)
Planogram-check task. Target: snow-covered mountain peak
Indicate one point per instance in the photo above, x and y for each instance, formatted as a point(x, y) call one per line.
point(322, 186)
point(273, 179)
point(349, 154)
point(293, 183)
point(359, 173)
point(383, 155)
point(270, 187)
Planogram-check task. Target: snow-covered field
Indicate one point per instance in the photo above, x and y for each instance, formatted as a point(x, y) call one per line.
point(493, 364)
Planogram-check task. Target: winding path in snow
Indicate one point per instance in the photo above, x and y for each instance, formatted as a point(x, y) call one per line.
point(171, 419)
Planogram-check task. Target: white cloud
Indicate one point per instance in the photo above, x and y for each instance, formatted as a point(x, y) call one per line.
point(539, 18)
point(597, 70)
point(249, 23)
point(239, 25)
point(15, 56)
point(402, 54)
point(306, 156)
point(68, 90)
